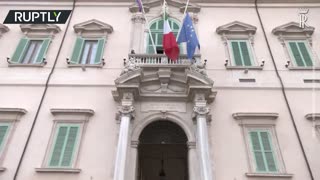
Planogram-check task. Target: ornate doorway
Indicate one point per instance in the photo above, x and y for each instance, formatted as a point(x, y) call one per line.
point(163, 152)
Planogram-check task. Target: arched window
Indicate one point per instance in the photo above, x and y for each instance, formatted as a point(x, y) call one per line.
point(156, 29)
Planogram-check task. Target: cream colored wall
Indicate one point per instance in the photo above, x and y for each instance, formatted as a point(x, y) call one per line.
point(75, 88)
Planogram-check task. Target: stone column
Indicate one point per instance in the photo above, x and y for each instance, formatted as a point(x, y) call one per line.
point(126, 113)
point(201, 111)
point(133, 164)
point(137, 34)
point(192, 161)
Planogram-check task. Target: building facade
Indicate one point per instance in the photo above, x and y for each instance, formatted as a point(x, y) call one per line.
point(92, 99)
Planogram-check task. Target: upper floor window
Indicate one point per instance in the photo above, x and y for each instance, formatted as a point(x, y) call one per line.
point(241, 52)
point(300, 53)
point(88, 51)
point(239, 45)
point(90, 43)
point(156, 29)
point(32, 49)
point(297, 44)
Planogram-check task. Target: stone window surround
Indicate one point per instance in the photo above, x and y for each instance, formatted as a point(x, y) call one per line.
point(261, 120)
point(101, 30)
point(286, 33)
point(36, 31)
point(79, 116)
point(9, 115)
point(246, 32)
point(315, 118)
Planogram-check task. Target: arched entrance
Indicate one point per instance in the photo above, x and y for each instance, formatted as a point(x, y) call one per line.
point(163, 152)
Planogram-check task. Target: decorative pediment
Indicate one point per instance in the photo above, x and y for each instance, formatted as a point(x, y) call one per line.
point(164, 83)
point(293, 28)
point(3, 29)
point(154, 3)
point(93, 25)
point(236, 27)
point(40, 28)
point(11, 114)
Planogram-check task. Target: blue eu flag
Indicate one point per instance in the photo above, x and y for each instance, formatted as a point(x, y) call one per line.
point(188, 35)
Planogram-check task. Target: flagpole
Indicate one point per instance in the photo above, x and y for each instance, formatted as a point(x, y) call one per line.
point(184, 14)
point(143, 12)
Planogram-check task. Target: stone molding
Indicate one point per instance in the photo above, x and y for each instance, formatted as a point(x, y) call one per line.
point(11, 114)
point(93, 26)
point(313, 116)
point(252, 118)
point(292, 28)
point(138, 18)
point(192, 7)
point(3, 29)
point(236, 27)
point(58, 170)
point(269, 175)
point(72, 114)
point(40, 30)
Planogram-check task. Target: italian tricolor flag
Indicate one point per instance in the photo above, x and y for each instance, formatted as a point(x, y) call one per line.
point(169, 43)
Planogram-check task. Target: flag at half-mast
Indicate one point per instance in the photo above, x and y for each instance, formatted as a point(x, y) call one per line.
point(139, 3)
point(169, 43)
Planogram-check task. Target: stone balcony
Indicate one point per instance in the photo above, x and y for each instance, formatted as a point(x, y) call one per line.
point(161, 60)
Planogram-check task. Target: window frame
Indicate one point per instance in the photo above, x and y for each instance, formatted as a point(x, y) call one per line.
point(26, 49)
point(290, 53)
point(51, 144)
point(82, 50)
point(275, 145)
point(53, 136)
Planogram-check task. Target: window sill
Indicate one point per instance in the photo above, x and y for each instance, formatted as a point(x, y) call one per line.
point(2, 169)
point(266, 175)
point(58, 170)
point(85, 65)
point(245, 67)
point(26, 65)
point(304, 68)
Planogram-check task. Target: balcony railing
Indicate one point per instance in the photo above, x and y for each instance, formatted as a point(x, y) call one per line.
point(162, 60)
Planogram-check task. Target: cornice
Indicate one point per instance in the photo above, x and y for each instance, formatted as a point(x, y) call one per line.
point(313, 116)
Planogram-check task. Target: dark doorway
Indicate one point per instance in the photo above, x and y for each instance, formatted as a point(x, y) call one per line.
point(163, 152)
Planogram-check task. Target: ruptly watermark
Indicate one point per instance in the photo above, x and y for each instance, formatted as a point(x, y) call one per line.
point(303, 18)
point(37, 16)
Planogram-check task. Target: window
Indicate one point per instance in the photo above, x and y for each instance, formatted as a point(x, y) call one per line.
point(65, 140)
point(88, 51)
point(30, 51)
point(156, 29)
point(300, 53)
point(262, 151)
point(241, 52)
point(65, 145)
point(4, 132)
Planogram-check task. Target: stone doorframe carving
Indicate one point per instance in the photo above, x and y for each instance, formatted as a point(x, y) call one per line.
point(164, 83)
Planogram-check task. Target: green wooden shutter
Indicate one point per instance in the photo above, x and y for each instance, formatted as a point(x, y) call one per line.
point(43, 50)
point(100, 50)
point(305, 54)
point(70, 146)
point(269, 156)
point(4, 129)
point(58, 146)
point(257, 151)
point(263, 151)
point(64, 145)
point(296, 54)
point(19, 52)
point(245, 53)
point(77, 51)
point(236, 53)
